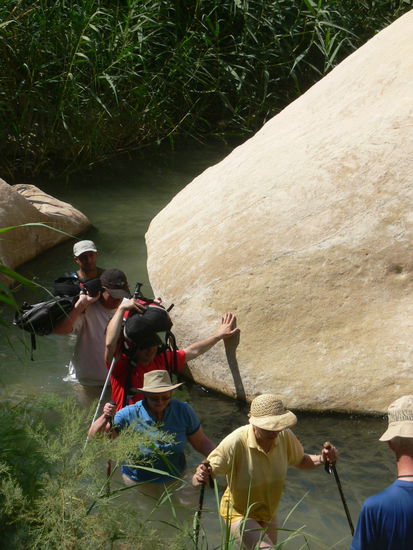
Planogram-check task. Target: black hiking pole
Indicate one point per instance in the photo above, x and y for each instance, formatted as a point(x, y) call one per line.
point(332, 468)
point(198, 514)
point(200, 506)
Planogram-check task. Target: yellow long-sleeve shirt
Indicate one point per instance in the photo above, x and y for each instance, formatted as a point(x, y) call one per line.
point(255, 478)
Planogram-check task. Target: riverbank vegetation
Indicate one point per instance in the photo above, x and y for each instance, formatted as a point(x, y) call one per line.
point(54, 490)
point(56, 493)
point(83, 80)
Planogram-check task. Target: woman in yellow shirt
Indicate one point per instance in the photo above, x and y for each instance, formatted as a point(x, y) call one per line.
point(255, 458)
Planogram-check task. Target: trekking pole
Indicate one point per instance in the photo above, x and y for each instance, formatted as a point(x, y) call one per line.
point(332, 468)
point(200, 506)
point(102, 394)
point(198, 514)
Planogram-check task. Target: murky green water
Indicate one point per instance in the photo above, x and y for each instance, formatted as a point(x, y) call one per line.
point(120, 202)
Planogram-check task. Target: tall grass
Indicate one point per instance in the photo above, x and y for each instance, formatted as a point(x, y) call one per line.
point(82, 80)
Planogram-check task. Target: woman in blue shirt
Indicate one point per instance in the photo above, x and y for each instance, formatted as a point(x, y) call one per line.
point(158, 412)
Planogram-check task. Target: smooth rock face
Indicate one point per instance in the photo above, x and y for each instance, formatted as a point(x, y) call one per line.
point(20, 204)
point(305, 232)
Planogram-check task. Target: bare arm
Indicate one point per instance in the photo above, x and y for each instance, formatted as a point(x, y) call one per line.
point(227, 330)
point(312, 461)
point(200, 442)
point(104, 422)
point(66, 325)
point(114, 327)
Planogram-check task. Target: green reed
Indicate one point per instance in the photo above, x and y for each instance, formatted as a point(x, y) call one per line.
point(298, 537)
point(83, 80)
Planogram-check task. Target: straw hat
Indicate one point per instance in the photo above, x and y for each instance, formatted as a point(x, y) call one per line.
point(400, 414)
point(157, 381)
point(268, 412)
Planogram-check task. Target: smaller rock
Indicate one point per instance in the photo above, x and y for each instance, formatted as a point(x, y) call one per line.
point(21, 204)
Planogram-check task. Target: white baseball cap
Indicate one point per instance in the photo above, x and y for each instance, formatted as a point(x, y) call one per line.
point(83, 246)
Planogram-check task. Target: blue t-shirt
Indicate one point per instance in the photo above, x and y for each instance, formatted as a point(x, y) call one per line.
point(179, 420)
point(386, 520)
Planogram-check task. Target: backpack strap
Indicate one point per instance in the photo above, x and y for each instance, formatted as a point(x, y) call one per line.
point(131, 355)
point(171, 343)
point(130, 352)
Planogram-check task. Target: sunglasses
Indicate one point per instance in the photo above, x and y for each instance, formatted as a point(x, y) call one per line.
point(158, 398)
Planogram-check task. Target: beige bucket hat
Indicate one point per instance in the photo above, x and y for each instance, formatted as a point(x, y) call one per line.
point(268, 412)
point(157, 381)
point(400, 414)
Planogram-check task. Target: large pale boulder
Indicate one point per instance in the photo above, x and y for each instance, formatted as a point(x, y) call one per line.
point(306, 232)
point(21, 204)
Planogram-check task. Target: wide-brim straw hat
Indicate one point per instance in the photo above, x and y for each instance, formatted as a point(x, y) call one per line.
point(268, 412)
point(157, 381)
point(400, 414)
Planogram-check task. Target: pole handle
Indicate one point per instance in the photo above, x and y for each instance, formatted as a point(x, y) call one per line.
point(327, 445)
point(110, 417)
point(328, 467)
point(211, 481)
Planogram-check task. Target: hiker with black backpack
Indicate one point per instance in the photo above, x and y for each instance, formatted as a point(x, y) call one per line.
point(86, 279)
point(135, 353)
point(44, 317)
point(88, 320)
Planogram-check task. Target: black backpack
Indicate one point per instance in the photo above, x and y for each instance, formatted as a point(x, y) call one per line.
point(140, 327)
point(71, 285)
point(66, 286)
point(40, 319)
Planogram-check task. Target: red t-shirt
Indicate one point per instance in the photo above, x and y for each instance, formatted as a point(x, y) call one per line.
point(119, 376)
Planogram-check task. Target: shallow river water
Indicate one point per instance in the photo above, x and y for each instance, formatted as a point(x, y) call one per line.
point(120, 202)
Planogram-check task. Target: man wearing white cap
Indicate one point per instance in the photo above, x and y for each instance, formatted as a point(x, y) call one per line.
point(386, 519)
point(255, 458)
point(85, 253)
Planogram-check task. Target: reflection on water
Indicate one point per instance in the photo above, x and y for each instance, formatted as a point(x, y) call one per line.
point(120, 203)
